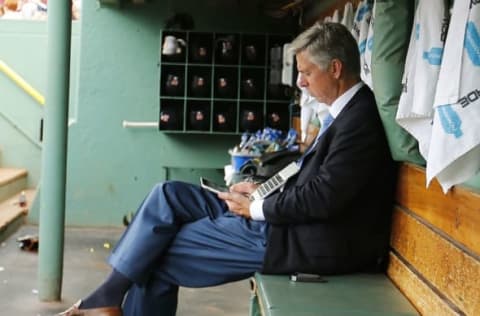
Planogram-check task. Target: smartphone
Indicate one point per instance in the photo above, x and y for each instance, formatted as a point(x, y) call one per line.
point(212, 186)
point(307, 277)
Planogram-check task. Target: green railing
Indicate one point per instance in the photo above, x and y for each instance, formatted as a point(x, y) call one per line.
point(37, 96)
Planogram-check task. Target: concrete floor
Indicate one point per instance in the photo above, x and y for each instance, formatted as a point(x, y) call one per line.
point(84, 267)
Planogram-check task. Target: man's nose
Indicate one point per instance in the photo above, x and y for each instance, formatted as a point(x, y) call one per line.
point(302, 82)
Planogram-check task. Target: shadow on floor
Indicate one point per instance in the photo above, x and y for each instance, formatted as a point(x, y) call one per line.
point(86, 250)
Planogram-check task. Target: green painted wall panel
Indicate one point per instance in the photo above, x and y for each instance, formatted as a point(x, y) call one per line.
point(23, 49)
point(21, 114)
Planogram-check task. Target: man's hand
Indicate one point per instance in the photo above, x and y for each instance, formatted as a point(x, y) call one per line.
point(238, 199)
point(245, 188)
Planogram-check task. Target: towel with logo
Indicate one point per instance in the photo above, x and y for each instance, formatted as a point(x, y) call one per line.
point(365, 46)
point(424, 57)
point(362, 13)
point(454, 153)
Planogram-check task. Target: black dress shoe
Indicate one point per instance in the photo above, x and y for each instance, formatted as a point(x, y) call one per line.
point(101, 311)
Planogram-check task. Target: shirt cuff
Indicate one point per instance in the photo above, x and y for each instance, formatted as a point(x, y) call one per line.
point(256, 210)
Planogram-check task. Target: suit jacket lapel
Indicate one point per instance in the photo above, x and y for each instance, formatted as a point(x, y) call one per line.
point(339, 117)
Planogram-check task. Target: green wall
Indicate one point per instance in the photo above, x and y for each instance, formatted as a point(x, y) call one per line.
point(23, 49)
point(110, 169)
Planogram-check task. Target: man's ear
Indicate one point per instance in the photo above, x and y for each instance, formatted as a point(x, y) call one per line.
point(336, 68)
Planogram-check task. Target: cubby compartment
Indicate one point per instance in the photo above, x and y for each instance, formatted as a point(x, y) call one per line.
point(222, 82)
point(224, 117)
point(172, 82)
point(279, 92)
point(275, 58)
point(226, 48)
point(278, 116)
point(171, 115)
point(276, 42)
point(200, 48)
point(199, 81)
point(252, 83)
point(198, 115)
point(253, 50)
point(251, 116)
point(174, 47)
point(225, 82)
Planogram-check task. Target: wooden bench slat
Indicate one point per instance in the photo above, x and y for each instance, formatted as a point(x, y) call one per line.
point(456, 213)
point(453, 272)
point(420, 294)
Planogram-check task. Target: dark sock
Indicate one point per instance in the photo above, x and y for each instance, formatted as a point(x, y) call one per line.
point(110, 293)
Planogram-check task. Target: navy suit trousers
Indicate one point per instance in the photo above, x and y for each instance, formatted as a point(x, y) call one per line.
point(183, 235)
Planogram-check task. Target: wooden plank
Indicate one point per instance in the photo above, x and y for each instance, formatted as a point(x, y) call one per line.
point(8, 175)
point(457, 213)
point(453, 272)
point(425, 300)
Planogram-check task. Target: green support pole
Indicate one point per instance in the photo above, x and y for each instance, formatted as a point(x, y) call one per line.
point(54, 153)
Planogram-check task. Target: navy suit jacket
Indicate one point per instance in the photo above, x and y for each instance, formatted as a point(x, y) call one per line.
point(334, 215)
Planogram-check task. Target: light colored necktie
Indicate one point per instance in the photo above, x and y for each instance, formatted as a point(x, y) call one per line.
point(326, 122)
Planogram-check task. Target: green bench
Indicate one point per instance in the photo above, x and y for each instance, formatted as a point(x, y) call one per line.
point(356, 294)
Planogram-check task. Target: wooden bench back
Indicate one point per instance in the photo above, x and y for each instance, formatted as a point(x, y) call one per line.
point(435, 242)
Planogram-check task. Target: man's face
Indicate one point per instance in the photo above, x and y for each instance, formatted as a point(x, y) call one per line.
point(321, 84)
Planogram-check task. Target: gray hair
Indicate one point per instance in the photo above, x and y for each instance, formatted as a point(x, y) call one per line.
point(327, 41)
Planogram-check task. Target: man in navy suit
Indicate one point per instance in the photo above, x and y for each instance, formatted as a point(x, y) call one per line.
point(332, 217)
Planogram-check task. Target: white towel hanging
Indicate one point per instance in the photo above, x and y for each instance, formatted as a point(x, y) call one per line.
point(454, 153)
point(365, 45)
point(415, 109)
point(347, 18)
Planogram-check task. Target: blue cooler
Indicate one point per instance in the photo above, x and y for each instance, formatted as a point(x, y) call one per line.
point(240, 159)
